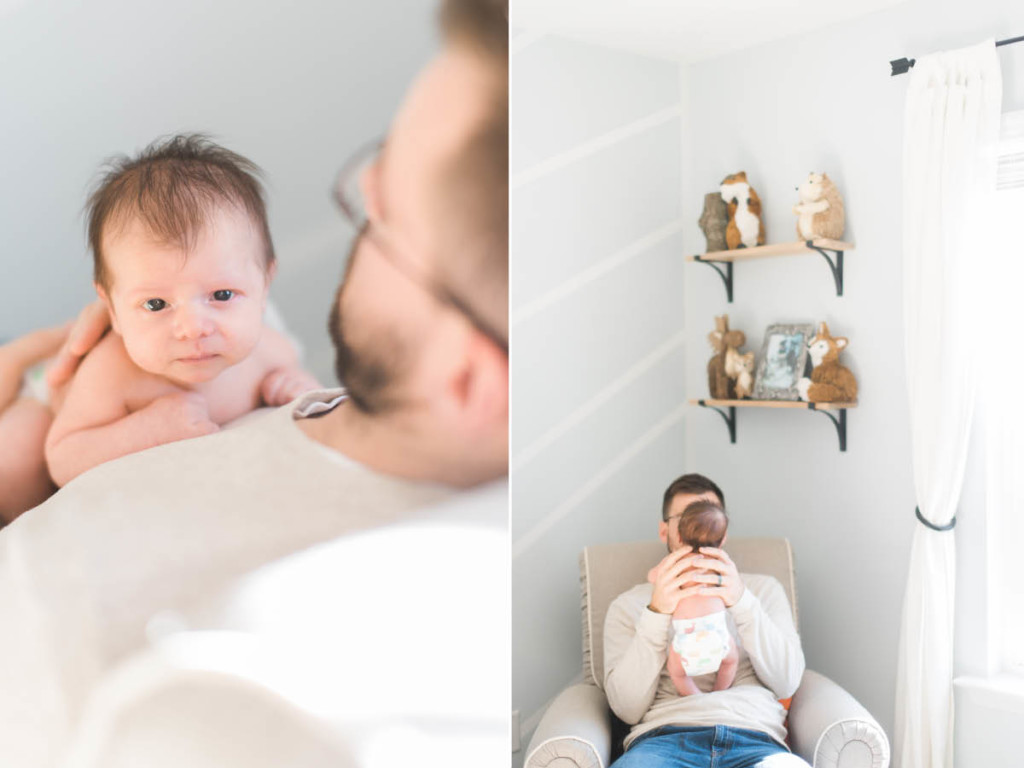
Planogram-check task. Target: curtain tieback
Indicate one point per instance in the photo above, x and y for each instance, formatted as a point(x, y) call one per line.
point(929, 524)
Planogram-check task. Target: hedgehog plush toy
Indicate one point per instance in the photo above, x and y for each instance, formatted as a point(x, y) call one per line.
point(820, 212)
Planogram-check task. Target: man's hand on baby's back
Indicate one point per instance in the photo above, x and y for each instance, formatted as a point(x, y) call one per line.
point(182, 414)
point(85, 333)
point(670, 575)
point(282, 385)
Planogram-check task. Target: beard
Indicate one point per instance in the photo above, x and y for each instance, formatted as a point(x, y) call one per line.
point(370, 370)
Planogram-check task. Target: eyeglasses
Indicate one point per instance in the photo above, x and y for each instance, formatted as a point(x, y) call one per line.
point(350, 197)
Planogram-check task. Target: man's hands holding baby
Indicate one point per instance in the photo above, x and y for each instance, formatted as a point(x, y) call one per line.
point(685, 573)
point(86, 331)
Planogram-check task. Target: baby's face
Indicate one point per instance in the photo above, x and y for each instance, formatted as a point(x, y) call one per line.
point(188, 316)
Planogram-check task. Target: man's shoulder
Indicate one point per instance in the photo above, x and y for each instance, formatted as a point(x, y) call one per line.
point(634, 599)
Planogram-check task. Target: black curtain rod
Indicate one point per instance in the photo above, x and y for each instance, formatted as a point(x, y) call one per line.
point(902, 66)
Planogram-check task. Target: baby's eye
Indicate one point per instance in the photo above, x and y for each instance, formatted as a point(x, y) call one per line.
point(154, 305)
point(223, 295)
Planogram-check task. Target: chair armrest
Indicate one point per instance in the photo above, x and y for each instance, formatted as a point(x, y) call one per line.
point(829, 728)
point(575, 732)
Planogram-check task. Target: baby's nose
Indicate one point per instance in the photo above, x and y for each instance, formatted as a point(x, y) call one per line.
point(192, 323)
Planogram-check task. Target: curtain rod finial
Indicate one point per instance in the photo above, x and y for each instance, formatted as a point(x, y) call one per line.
point(901, 66)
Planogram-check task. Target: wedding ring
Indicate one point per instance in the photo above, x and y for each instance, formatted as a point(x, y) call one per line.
point(719, 579)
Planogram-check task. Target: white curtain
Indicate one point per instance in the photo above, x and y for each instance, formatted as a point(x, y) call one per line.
point(949, 160)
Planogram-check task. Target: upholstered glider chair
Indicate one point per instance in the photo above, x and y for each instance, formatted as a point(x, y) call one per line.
point(827, 727)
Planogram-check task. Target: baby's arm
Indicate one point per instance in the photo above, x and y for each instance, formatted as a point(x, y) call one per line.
point(727, 669)
point(284, 379)
point(683, 682)
point(95, 425)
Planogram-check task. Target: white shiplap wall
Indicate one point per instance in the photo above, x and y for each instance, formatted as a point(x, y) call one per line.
point(597, 326)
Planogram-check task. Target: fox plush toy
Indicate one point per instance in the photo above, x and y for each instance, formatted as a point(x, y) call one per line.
point(830, 382)
point(745, 229)
point(741, 369)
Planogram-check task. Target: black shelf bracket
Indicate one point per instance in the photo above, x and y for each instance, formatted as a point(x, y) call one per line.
point(726, 276)
point(730, 419)
point(840, 424)
point(836, 266)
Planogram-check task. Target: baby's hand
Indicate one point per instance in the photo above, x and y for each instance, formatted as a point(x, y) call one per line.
point(184, 413)
point(282, 385)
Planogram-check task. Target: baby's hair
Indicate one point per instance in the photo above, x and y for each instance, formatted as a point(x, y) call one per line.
point(173, 186)
point(703, 524)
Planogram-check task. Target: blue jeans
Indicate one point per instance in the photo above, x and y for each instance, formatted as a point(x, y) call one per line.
point(715, 747)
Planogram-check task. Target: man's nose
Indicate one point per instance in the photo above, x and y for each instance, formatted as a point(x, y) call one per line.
point(192, 322)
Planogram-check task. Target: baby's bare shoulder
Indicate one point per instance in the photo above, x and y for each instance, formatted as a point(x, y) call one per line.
point(108, 367)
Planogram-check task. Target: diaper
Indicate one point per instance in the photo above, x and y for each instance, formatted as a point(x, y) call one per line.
point(34, 383)
point(701, 643)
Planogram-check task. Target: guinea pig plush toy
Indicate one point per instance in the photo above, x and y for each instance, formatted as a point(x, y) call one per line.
point(746, 229)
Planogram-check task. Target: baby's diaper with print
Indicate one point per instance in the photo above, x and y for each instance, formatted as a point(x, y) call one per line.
point(701, 643)
point(34, 383)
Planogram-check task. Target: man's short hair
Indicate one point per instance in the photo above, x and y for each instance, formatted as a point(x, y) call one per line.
point(476, 182)
point(173, 186)
point(691, 485)
point(483, 23)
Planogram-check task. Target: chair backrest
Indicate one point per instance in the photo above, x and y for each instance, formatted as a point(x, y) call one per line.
point(608, 570)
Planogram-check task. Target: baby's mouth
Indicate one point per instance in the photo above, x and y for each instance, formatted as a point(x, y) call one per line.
point(197, 358)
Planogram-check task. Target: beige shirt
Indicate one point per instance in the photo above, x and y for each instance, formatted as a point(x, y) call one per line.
point(82, 574)
point(771, 664)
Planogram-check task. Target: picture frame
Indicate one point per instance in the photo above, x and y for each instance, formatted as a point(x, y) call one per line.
point(783, 361)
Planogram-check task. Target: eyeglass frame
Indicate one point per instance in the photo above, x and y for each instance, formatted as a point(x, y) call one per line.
point(360, 220)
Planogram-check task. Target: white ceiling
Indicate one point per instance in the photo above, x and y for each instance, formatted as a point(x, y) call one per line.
point(684, 30)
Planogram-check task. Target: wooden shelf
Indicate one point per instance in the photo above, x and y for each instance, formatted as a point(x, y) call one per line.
point(820, 246)
point(776, 404)
point(719, 406)
point(798, 248)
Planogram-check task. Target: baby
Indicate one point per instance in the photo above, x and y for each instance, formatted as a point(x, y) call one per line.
point(182, 259)
point(701, 643)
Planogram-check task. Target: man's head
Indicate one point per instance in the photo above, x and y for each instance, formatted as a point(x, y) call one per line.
point(182, 256)
point(680, 494)
point(420, 321)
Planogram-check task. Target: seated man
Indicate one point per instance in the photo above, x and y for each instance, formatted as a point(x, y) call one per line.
point(743, 725)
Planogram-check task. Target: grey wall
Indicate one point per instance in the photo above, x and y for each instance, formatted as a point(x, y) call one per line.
point(825, 101)
point(597, 369)
point(295, 87)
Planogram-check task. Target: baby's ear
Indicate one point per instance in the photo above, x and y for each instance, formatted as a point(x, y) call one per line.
point(105, 298)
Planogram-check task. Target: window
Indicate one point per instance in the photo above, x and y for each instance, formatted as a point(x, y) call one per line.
point(1003, 391)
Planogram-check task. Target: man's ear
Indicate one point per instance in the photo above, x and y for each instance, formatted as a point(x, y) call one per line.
point(479, 383)
point(663, 532)
point(105, 298)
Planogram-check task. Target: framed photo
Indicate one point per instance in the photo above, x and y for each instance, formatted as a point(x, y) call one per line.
point(783, 361)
